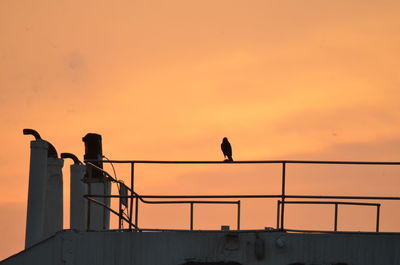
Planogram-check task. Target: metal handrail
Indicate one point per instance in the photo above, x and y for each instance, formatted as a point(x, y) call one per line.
point(108, 208)
point(192, 203)
point(89, 197)
point(336, 203)
point(283, 196)
point(259, 196)
point(137, 196)
point(246, 162)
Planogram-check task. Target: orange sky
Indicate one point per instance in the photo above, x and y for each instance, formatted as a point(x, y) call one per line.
point(168, 79)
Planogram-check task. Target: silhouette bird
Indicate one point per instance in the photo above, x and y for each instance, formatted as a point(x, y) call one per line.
point(226, 149)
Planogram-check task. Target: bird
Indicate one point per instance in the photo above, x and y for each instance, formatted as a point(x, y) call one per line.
point(226, 149)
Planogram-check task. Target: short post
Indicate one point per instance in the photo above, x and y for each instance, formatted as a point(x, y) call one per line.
point(120, 214)
point(378, 209)
point(278, 209)
point(131, 201)
point(191, 216)
point(238, 215)
point(136, 213)
point(336, 216)
point(283, 194)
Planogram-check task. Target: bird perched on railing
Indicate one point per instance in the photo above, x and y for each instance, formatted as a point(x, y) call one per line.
point(226, 149)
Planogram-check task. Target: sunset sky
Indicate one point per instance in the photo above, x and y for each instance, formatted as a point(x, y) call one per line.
point(167, 80)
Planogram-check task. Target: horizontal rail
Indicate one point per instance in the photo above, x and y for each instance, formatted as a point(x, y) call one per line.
point(341, 232)
point(196, 202)
point(192, 202)
point(248, 196)
point(331, 202)
point(247, 162)
point(342, 197)
point(262, 230)
point(188, 196)
point(158, 202)
point(336, 203)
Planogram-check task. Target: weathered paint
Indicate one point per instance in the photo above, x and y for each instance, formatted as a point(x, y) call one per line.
point(53, 201)
point(100, 216)
point(178, 248)
point(36, 192)
point(78, 204)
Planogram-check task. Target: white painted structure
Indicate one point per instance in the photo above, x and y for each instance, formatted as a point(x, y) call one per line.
point(178, 248)
point(78, 204)
point(53, 202)
point(45, 194)
point(36, 192)
point(100, 216)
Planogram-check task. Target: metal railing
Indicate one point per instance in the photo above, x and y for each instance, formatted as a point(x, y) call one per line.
point(123, 198)
point(336, 204)
point(282, 196)
point(138, 198)
point(191, 203)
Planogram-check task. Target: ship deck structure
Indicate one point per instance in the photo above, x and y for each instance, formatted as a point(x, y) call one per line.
point(91, 240)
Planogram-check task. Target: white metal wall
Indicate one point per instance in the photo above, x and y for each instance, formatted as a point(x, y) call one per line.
point(175, 248)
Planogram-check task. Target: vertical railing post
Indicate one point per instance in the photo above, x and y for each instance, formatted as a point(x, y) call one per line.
point(132, 189)
point(238, 215)
point(336, 216)
point(120, 214)
point(278, 213)
point(191, 216)
point(378, 208)
point(137, 213)
point(283, 194)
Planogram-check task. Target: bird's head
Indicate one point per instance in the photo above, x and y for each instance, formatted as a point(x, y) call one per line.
point(225, 139)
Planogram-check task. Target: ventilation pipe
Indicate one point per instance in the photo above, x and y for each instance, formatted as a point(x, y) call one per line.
point(54, 216)
point(98, 184)
point(45, 195)
point(78, 189)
